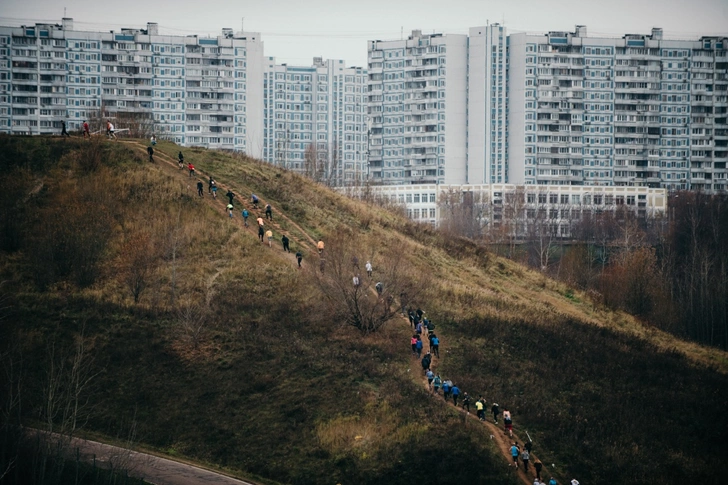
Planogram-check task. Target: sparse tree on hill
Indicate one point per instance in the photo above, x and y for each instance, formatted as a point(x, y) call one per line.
point(359, 305)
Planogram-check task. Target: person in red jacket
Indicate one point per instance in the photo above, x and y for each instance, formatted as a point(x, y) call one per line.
point(191, 169)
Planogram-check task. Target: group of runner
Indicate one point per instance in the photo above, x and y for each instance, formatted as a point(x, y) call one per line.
point(424, 327)
point(263, 234)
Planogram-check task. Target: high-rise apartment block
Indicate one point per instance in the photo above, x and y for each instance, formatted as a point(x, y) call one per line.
point(556, 109)
point(196, 91)
point(315, 120)
point(636, 111)
point(417, 103)
point(561, 108)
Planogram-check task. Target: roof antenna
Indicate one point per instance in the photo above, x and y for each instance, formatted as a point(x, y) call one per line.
point(242, 24)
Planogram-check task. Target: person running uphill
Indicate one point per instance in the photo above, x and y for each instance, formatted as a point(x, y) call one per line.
point(436, 384)
point(285, 242)
point(269, 235)
point(86, 131)
point(245, 214)
point(214, 189)
point(514, 452)
point(320, 247)
point(230, 196)
point(230, 210)
point(507, 422)
point(63, 129)
point(150, 151)
point(495, 409)
point(199, 188)
point(191, 168)
point(268, 212)
point(254, 199)
point(299, 257)
point(181, 160)
point(455, 391)
point(261, 233)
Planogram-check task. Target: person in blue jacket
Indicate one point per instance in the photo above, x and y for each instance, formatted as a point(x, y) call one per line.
point(514, 454)
point(446, 389)
point(455, 391)
point(418, 348)
point(435, 344)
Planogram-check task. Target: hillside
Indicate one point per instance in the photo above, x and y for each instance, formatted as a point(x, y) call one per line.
point(229, 357)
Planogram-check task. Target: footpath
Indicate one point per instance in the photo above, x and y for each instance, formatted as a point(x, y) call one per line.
point(306, 242)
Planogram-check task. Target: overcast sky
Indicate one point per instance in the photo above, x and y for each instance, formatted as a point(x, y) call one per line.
point(295, 31)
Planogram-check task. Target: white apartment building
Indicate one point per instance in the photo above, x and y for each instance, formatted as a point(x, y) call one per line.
point(487, 115)
point(315, 120)
point(196, 91)
point(635, 111)
point(417, 101)
point(558, 206)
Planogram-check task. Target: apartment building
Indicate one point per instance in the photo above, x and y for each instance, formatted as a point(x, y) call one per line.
point(634, 111)
point(487, 115)
point(196, 91)
point(417, 100)
point(315, 120)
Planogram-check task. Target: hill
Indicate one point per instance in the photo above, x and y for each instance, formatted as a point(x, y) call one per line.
point(139, 309)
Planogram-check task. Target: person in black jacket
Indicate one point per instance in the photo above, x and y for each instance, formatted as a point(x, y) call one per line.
point(285, 241)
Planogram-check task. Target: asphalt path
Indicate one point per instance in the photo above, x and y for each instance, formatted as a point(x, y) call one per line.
point(153, 469)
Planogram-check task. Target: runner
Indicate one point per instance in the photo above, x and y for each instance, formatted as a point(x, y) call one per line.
point(418, 347)
point(479, 408)
point(254, 198)
point(369, 268)
point(466, 402)
point(430, 377)
point(446, 389)
point(508, 422)
point(436, 383)
point(268, 212)
point(150, 151)
point(495, 409)
point(214, 189)
point(537, 465)
point(455, 391)
point(320, 247)
point(153, 140)
point(63, 129)
point(285, 241)
point(413, 342)
point(110, 130)
point(435, 345)
point(299, 257)
point(261, 223)
point(426, 360)
point(261, 233)
point(230, 196)
point(181, 160)
point(209, 185)
point(230, 210)
point(86, 131)
point(191, 168)
point(514, 452)
point(199, 188)
point(526, 456)
point(269, 235)
point(245, 214)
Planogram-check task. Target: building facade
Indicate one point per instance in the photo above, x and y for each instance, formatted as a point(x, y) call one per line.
point(315, 120)
point(635, 111)
point(417, 100)
point(558, 207)
point(196, 91)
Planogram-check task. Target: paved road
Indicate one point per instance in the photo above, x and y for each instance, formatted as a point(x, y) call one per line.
point(153, 469)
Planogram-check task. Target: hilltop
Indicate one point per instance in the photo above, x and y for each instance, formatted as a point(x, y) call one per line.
point(201, 342)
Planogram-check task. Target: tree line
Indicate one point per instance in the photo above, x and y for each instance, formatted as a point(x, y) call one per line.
point(671, 271)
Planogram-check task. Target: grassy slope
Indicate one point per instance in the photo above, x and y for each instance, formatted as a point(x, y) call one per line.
point(273, 392)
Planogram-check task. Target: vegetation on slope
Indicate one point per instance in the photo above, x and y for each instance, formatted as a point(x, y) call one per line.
point(227, 356)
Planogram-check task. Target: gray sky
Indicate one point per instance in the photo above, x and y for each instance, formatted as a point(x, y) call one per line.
point(295, 31)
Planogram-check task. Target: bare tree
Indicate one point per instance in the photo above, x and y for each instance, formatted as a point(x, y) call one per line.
point(361, 305)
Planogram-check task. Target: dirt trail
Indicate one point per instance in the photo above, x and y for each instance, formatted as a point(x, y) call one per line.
point(168, 161)
point(502, 441)
point(497, 433)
